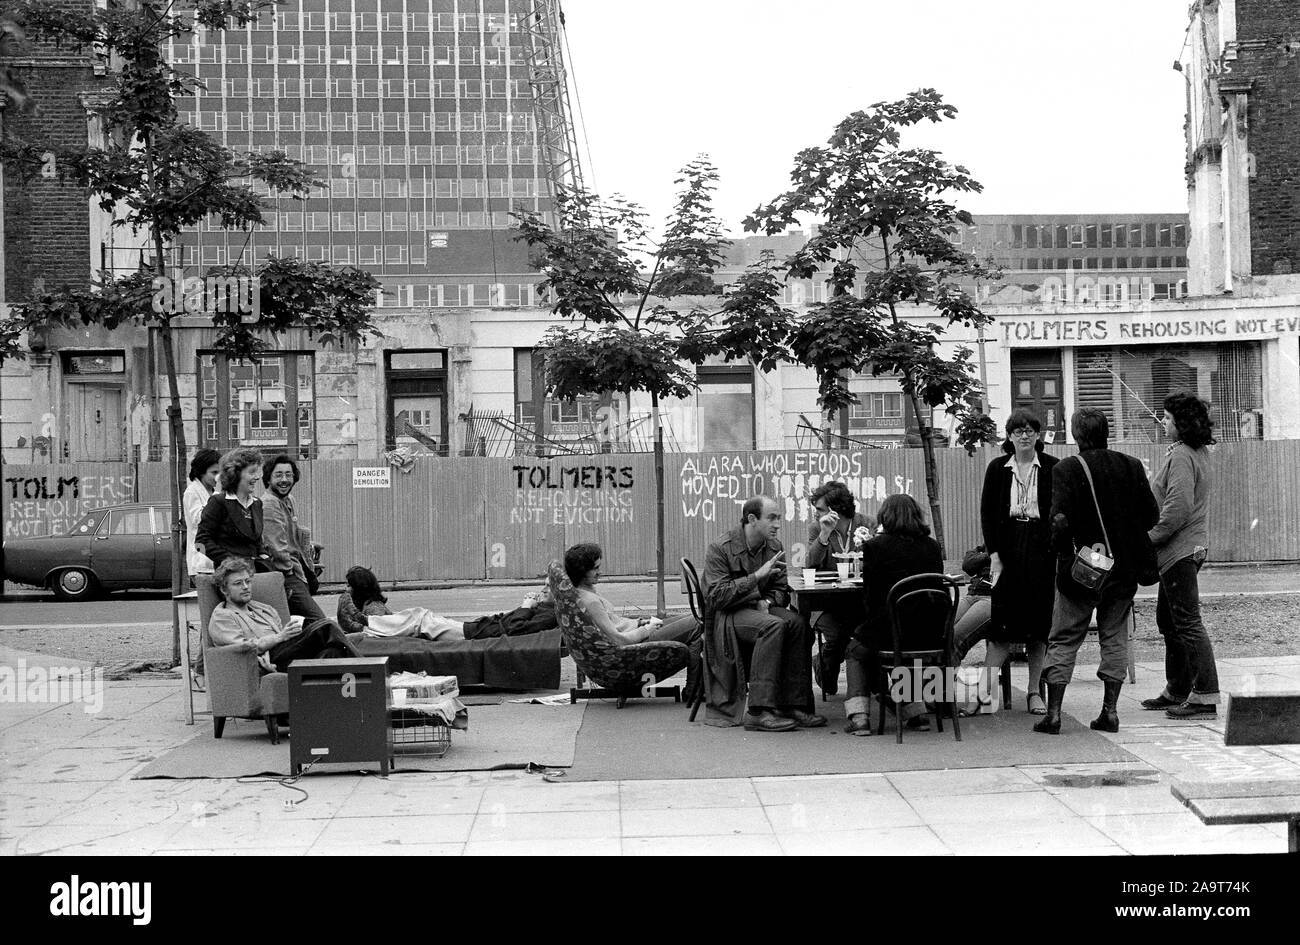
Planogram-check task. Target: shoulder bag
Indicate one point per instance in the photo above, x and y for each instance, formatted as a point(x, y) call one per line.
point(1091, 566)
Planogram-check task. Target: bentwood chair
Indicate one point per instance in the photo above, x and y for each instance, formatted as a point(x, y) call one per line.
point(695, 597)
point(921, 610)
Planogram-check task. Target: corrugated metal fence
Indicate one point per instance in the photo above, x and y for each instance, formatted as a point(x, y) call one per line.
point(487, 517)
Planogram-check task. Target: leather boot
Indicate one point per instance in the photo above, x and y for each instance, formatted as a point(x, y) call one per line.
point(1108, 720)
point(1050, 724)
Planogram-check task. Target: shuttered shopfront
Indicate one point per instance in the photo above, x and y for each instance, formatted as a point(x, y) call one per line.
point(1130, 384)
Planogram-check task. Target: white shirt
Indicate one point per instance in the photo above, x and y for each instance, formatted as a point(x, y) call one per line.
point(1024, 493)
point(195, 498)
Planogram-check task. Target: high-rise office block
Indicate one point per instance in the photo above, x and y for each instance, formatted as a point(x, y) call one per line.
point(427, 120)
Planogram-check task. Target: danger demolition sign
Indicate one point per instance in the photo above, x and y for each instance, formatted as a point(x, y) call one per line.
point(372, 477)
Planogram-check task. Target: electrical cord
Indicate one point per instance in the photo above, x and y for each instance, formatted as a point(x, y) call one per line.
point(285, 782)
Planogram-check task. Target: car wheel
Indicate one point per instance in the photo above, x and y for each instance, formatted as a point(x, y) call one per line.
point(75, 584)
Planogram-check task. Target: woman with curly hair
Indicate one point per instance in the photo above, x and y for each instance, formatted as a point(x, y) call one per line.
point(1182, 489)
point(231, 524)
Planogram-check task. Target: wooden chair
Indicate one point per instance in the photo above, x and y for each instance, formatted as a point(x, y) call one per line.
point(699, 604)
point(926, 604)
point(236, 686)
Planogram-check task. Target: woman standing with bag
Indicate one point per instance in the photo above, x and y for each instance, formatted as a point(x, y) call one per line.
point(1182, 488)
point(1013, 512)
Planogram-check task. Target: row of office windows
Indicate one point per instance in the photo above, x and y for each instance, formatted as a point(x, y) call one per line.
point(270, 87)
point(415, 51)
point(1077, 235)
point(416, 187)
point(474, 121)
point(1032, 263)
point(394, 22)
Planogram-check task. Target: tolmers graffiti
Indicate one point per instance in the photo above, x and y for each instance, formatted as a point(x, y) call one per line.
point(572, 495)
point(714, 487)
point(49, 503)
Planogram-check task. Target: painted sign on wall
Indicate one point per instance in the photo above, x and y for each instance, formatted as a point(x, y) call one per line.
point(48, 500)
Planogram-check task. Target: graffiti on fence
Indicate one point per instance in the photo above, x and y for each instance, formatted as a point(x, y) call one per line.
point(714, 487)
point(572, 495)
point(49, 504)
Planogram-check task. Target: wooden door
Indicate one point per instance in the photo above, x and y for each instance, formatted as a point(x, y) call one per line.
point(96, 423)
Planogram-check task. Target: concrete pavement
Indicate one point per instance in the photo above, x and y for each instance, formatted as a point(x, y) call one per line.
point(66, 788)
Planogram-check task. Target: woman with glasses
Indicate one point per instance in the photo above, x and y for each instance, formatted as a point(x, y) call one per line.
point(1014, 509)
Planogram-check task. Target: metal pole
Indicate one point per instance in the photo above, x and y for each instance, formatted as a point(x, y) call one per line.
point(659, 506)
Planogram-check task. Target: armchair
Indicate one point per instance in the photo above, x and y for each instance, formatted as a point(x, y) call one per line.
point(236, 686)
point(619, 671)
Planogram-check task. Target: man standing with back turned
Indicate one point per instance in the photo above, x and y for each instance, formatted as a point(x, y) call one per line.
point(744, 581)
point(1097, 479)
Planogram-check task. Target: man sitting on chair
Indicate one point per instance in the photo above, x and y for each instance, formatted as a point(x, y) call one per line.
point(240, 619)
point(744, 580)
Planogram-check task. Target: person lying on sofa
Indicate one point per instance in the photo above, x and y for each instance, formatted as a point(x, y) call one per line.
point(364, 599)
point(240, 619)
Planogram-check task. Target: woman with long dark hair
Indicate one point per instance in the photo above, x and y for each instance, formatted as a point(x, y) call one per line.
point(1014, 507)
point(903, 548)
point(1181, 539)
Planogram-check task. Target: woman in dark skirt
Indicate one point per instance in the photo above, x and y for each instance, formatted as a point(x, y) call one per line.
point(1014, 512)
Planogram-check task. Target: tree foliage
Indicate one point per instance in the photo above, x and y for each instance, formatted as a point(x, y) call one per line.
point(885, 227)
point(594, 265)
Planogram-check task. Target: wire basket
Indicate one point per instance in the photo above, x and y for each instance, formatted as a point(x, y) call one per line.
point(413, 733)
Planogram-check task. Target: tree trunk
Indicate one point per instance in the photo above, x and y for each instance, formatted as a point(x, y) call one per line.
point(176, 444)
point(659, 505)
point(931, 467)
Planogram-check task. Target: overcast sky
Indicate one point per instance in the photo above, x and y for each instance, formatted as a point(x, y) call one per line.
point(1062, 107)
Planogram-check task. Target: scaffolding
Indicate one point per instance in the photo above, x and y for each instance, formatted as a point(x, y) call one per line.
point(495, 433)
point(557, 141)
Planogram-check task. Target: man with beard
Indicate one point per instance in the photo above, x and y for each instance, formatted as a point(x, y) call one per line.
point(288, 544)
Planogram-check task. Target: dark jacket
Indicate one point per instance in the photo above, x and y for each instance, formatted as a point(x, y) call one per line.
point(729, 585)
point(822, 557)
point(886, 560)
point(227, 530)
point(995, 502)
point(1127, 506)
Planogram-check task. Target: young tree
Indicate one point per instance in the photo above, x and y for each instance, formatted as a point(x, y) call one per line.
point(885, 231)
point(158, 176)
point(595, 261)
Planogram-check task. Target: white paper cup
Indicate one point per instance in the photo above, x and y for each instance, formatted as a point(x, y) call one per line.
point(809, 577)
point(843, 568)
point(399, 697)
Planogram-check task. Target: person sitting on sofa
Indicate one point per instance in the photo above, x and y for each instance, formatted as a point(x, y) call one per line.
point(240, 619)
point(365, 598)
point(582, 564)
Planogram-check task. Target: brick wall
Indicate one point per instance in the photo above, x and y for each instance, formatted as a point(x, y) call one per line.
point(47, 222)
point(1268, 33)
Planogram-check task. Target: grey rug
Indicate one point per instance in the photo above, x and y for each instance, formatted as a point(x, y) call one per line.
point(652, 739)
point(499, 737)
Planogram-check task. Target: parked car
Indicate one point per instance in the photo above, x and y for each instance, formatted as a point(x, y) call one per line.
point(108, 549)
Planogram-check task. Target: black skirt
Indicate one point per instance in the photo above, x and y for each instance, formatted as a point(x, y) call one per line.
point(1023, 596)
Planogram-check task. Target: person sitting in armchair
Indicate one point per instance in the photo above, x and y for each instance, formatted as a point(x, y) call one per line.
point(240, 619)
point(582, 565)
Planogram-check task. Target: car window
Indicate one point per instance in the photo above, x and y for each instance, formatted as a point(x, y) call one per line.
point(87, 525)
point(129, 522)
point(162, 520)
